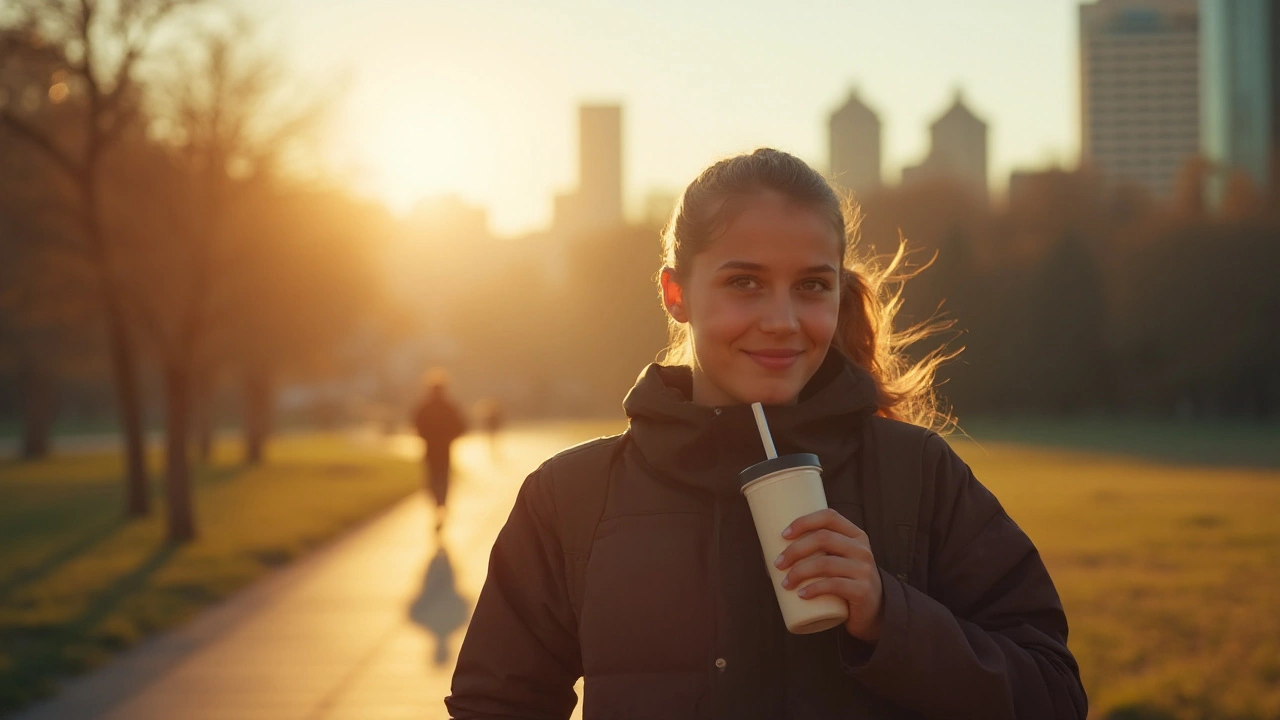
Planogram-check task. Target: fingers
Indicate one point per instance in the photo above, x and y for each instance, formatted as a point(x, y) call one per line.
point(824, 542)
point(825, 531)
point(827, 518)
point(827, 566)
point(857, 592)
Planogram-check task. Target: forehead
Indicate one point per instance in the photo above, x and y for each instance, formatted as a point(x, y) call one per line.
point(770, 229)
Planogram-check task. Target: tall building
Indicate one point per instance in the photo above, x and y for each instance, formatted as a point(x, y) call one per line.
point(596, 204)
point(853, 132)
point(957, 149)
point(1240, 89)
point(600, 165)
point(1140, 90)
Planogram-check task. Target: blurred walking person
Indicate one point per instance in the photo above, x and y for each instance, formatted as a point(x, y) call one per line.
point(439, 423)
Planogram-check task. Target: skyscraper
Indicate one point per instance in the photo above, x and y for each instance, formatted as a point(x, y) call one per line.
point(600, 166)
point(1240, 89)
point(1139, 89)
point(957, 149)
point(853, 132)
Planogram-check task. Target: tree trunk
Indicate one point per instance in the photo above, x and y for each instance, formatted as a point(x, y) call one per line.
point(258, 398)
point(124, 374)
point(202, 421)
point(37, 408)
point(182, 526)
point(124, 365)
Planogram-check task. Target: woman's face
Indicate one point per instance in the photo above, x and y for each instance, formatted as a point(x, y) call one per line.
point(761, 302)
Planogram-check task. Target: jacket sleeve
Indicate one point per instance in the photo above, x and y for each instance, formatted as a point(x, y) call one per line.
point(989, 641)
point(520, 657)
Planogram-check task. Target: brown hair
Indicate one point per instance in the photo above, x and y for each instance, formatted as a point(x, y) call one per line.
point(870, 288)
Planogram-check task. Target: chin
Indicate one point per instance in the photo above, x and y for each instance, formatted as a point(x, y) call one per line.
point(772, 393)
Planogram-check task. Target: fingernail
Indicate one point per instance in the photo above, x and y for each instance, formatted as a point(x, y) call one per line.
point(778, 563)
point(803, 592)
point(786, 583)
point(787, 532)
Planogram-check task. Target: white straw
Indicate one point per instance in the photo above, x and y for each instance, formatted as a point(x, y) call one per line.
point(763, 426)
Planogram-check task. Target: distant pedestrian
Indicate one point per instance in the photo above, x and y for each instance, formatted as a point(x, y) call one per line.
point(439, 423)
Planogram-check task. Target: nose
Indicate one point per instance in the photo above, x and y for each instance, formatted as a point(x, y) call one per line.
point(779, 314)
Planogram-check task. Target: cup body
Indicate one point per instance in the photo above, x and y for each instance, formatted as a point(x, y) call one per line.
point(779, 491)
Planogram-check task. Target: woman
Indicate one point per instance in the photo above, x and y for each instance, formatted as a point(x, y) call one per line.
point(668, 611)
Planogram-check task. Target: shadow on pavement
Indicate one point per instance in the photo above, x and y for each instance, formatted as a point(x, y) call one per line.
point(439, 608)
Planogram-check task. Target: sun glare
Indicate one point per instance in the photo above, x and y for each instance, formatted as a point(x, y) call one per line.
point(409, 154)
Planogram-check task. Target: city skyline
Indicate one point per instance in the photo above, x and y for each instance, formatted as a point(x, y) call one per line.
point(479, 100)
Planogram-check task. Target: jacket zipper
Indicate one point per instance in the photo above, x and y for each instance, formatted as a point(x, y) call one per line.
point(717, 673)
point(717, 704)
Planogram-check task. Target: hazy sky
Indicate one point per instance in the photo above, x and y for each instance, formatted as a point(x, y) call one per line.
point(479, 97)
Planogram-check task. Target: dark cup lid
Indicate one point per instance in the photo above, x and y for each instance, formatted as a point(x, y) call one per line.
point(782, 462)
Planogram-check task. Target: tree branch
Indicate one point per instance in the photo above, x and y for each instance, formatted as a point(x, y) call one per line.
point(88, 69)
point(60, 157)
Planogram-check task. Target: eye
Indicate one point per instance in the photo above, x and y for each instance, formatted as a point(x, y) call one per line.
point(744, 282)
point(815, 285)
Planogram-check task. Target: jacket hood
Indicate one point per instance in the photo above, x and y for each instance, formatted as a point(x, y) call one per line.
point(707, 447)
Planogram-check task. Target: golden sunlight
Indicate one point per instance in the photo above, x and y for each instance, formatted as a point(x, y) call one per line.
point(407, 154)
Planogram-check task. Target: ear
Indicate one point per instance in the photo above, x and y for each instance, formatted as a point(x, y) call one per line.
point(673, 296)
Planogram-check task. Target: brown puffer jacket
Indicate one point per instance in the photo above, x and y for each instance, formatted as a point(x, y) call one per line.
point(679, 618)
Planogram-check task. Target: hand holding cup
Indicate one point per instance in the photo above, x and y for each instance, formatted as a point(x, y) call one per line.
point(778, 491)
point(828, 546)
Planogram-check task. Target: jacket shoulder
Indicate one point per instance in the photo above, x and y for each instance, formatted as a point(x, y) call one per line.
point(935, 447)
point(572, 463)
point(596, 445)
point(576, 483)
point(582, 461)
point(902, 427)
point(897, 436)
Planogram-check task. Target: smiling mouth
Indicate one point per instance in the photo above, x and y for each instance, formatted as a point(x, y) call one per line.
point(774, 359)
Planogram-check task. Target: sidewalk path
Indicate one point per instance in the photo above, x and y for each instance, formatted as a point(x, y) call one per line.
point(365, 629)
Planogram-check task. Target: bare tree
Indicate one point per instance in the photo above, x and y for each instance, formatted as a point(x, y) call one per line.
point(98, 46)
point(33, 300)
point(225, 118)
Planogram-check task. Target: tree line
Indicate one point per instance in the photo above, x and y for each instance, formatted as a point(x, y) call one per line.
point(158, 229)
point(1077, 296)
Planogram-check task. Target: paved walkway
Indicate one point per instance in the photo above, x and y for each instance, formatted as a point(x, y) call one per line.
point(364, 629)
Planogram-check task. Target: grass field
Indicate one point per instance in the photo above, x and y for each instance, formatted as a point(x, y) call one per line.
point(78, 584)
point(1170, 575)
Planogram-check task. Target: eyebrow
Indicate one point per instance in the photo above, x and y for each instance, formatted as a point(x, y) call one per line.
point(756, 267)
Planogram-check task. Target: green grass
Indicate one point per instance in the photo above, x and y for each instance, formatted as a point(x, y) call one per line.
point(1170, 576)
point(78, 584)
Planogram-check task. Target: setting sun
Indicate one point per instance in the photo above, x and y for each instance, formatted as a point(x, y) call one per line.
point(406, 154)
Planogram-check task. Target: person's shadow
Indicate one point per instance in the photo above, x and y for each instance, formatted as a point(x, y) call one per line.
point(439, 609)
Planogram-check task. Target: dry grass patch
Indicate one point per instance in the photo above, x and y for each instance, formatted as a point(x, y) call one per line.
point(1170, 576)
